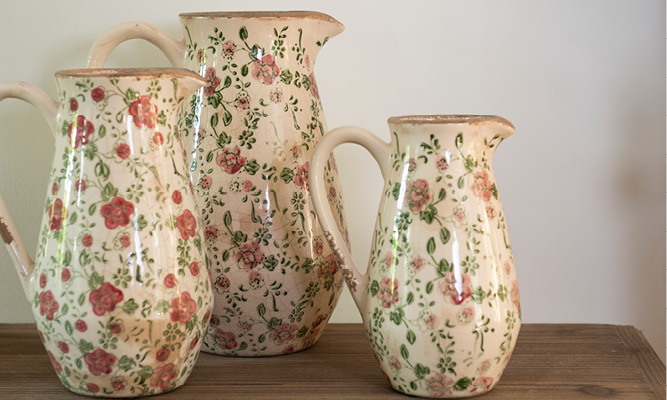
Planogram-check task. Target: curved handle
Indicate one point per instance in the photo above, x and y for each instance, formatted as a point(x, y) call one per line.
point(380, 150)
point(173, 48)
point(48, 107)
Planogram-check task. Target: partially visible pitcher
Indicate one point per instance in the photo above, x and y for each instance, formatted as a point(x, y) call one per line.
point(120, 288)
point(440, 301)
point(249, 135)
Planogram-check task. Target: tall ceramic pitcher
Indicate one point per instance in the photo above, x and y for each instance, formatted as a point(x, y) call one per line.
point(440, 301)
point(249, 135)
point(119, 289)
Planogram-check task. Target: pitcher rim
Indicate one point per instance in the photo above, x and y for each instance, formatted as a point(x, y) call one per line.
point(449, 119)
point(126, 72)
point(260, 15)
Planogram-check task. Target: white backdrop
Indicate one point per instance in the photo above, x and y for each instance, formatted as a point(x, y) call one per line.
point(582, 180)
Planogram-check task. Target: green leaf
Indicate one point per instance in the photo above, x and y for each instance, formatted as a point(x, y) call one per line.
point(429, 287)
point(228, 82)
point(442, 194)
point(444, 235)
point(145, 373)
point(462, 384)
point(261, 338)
point(421, 371)
point(287, 175)
point(130, 306)
point(92, 209)
point(397, 316)
point(126, 363)
point(274, 323)
point(243, 33)
point(411, 336)
point(102, 131)
point(396, 190)
point(286, 76)
point(459, 141)
point(108, 191)
point(227, 219)
point(82, 299)
point(225, 255)
point(68, 328)
point(226, 117)
point(410, 298)
point(244, 70)
point(65, 309)
point(302, 332)
point(443, 268)
point(243, 346)
point(413, 385)
point(478, 295)
point(460, 182)
point(95, 280)
point(430, 245)
point(502, 292)
point(251, 167)
point(162, 307)
point(261, 309)
point(67, 258)
point(404, 352)
point(375, 287)
point(141, 222)
point(73, 217)
point(270, 263)
point(214, 119)
point(85, 346)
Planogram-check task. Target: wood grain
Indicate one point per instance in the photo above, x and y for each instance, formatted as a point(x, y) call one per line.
point(551, 361)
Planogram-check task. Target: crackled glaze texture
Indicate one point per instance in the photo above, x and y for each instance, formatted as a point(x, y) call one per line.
point(440, 302)
point(121, 293)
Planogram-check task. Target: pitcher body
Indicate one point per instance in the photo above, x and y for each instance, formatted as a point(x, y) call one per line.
point(249, 135)
point(120, 290)
point(440, 300)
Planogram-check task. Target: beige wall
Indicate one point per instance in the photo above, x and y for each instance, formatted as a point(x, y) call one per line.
point(582, 180)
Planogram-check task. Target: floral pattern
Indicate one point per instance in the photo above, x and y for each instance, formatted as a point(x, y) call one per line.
point(248, 137)
point(106, 249)
point(442, 297)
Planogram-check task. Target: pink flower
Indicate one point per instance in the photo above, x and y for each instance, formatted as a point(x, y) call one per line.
point(441, 163)
point(432, 321)
point(481, 185)
point(254, 279)
point(283, 333)
point(54, 188)
point(332, 193)
point(80, 185)
point(144, 112)
point(417, 263)
point(265, 70)
point(87, 240)
point(222, 283)
point(245, 325)
point(249, 255)
point(412, 164)
point(212, 82)
point(394, 363)
point(456, 290)
point(490, 212)
point(242, 101)
point(54, 362)
point(460, 214)
point(125, 241)
point(176, 197)
point(115, 327)
point(162, 354)
point(81, 325)
point(418, 195)
point(80, 129)
point(123, 151)
point(194, 342)
point(170, 281)
point(483, 367)
point(163, 376)
point(201, 56)
point(97, 94)
point(92, 388)
point(466, 315)
point(65, 275)
point(187, 224)
point(99, 362)
point(514, 295)
point(439, 385)
point(205, 182)
point(389, 259)
point(158, 138)
point(506, 267)
point(182, 308)
point(42, 281)
point(211, 232)
point(194, 268)
point(63, 347)
point(313, 86)
point(228, 48)
point(328, 267)
point(388, 292)
point(276, 95)
point(301, 176)
point(296, 151)
point(231, 161)
point(318, 246)
point(73, 104)
point(105, 298)
point(57, 214)
point(481, 385)
point(247, 185)
point(288, 350)
point(226, 340)
point(47, 305)
point(118, 384)
point(117, 212)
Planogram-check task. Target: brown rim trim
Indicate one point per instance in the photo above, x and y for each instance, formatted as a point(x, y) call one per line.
point(261, 14)
point(126, 72)
point(5, 233)
point(449, 119)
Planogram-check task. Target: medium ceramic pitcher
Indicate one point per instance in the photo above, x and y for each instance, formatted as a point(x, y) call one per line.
point(440, 301)
point(249, 135)
point(120, 289)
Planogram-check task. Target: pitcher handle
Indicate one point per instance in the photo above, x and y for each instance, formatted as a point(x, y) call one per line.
point(173, 48)
point(356, 281)
point(48, 107)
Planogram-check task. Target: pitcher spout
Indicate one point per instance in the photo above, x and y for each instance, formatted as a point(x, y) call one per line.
point(186, 83)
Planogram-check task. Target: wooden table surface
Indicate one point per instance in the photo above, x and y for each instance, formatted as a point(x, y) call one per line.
point(551, 361)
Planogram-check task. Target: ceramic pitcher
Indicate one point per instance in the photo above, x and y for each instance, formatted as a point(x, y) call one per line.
point(439, 301)
point(120, 289)
point(249, 135)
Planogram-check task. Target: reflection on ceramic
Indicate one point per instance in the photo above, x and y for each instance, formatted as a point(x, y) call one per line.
point(120, 289)
point(440, 301)
point(249, 135)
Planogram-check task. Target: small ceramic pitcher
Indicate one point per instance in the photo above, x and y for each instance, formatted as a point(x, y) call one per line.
point(120, 288)
point(440, 301)
point(249, 136)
